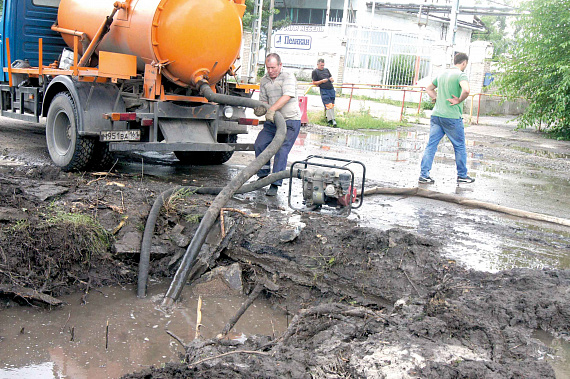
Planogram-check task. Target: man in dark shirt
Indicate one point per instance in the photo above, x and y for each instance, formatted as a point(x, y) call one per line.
point(322, 77)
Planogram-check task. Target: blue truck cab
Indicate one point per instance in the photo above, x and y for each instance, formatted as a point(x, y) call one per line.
point(23, 23)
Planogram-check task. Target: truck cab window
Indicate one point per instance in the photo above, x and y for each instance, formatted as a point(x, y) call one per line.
point(46, 3)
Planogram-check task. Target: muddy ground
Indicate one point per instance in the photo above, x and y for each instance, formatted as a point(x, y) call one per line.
point(364, 303)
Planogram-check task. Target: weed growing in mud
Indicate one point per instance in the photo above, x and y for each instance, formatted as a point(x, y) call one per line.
point(171, 204)
point(193, 219)
point(97, 238)
point(322, 264)
point(56, 250)
point(20, 225)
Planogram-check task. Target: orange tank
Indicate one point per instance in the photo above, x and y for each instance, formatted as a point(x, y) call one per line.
point(193, 38)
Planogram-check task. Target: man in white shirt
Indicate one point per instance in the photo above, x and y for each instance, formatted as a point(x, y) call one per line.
point(279, 90)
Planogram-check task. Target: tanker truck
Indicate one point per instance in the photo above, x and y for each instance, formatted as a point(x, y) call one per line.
point(123, 76)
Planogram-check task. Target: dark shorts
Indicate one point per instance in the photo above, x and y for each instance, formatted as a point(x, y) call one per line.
point(328, 96)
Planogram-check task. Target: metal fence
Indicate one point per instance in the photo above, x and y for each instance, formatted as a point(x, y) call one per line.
point(384, 57)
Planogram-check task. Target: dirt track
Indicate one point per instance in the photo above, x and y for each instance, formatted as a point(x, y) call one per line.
point(364, 303)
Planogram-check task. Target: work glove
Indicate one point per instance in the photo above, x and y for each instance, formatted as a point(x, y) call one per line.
point(270, 115)
point(259, 111)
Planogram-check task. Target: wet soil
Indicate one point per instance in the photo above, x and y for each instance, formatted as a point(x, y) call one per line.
point(384, 304)
point(363, 302)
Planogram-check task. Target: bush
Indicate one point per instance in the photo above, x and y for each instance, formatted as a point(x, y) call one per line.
point(260, 72)
point(427, 103)
point(401, 70)
point(539, 69)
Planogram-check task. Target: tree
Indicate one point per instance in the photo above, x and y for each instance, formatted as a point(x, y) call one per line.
point(496, 33)
point(539, 69)
point(249, 17)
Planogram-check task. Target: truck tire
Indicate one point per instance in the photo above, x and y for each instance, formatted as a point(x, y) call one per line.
point(68, 150)
point(102, 158)
point(206, 158)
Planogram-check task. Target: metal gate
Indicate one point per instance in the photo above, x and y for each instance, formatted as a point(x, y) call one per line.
point(386, 57)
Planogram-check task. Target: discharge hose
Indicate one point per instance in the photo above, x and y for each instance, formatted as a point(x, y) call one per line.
point(222, 198)
point(144, 262)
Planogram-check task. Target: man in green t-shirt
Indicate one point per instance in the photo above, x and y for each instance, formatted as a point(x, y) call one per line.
point(446, 119)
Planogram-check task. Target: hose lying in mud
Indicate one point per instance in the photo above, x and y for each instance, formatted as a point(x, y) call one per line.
point(415, 191)
point(222, 198)
point(236, 186)
point(144, 261)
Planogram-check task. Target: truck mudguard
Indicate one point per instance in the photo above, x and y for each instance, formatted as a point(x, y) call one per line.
point(93, 101)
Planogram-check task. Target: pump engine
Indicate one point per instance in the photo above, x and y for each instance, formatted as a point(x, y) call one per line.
point(326, 185)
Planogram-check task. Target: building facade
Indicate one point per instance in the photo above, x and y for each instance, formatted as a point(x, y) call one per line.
point(388, 43)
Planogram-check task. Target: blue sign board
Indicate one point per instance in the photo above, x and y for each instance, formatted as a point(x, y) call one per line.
point(489, 77)
point(287, 41)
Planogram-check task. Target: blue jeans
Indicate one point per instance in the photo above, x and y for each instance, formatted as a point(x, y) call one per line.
point(265, 137)
point(453, 129)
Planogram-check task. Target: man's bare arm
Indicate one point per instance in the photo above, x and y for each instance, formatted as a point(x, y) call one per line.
point(430, 90)
point(317, 83)
point(280, 103)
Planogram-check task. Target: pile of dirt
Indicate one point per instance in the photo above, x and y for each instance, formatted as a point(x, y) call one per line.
point(60, 233)
point(374, 304)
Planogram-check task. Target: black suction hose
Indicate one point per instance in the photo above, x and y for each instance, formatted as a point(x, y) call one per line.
point(212, 213)
point(144, 262)
point(249, 186)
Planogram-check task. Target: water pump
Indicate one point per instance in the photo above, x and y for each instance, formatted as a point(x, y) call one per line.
point(330, 185)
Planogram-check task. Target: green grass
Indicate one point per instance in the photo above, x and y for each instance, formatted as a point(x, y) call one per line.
point(355, 120)
point(96, 238)
point(171, 204)
point(397, 103)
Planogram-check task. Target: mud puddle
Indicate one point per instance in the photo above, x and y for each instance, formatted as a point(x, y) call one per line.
point(70, 342)
point(559, 356)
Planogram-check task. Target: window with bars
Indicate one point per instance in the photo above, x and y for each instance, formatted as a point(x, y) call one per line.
point(308, 15)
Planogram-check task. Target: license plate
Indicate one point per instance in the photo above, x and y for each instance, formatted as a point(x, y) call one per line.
point(120, 135)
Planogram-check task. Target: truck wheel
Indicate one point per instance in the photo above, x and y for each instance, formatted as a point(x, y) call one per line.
point(67, 148)
point(102, 158)
point(205, 158)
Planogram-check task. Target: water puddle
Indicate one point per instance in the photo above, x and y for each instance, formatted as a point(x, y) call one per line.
point(559, 356)
point(5, 161)
point(541, 153)
point(72, 342)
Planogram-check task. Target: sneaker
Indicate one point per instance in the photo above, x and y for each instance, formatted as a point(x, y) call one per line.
point(465, 179)
point(426, 180)
point(272, 191)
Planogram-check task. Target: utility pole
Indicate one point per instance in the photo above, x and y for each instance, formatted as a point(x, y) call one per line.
point(344, 17)
point(452, 31)
point(270, 26)
point(256, 35)
point(328, 14)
